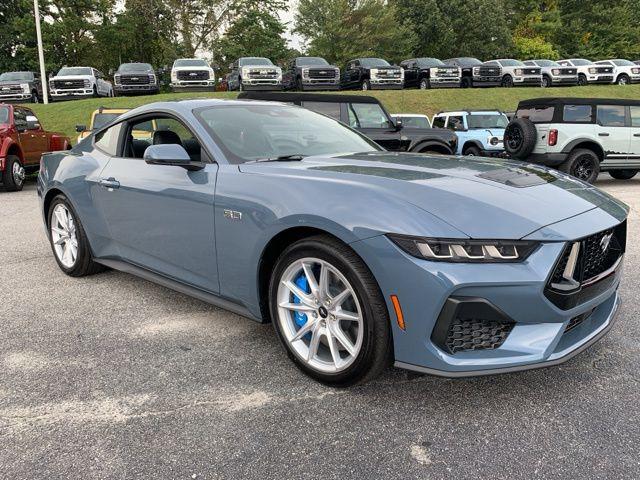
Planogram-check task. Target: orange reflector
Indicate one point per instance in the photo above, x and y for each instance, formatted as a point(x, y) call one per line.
point(398, 309)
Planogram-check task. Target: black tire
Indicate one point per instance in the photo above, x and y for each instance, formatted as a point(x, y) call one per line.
point(583, 164)
point(11, 182)
point(546, 81)
point(365, 86)
point(507, 81)
point(424, 84)
point(299, 84)
point(472, 151)
point(376, 351)
point(84, 264)
point(520, 138)
point(466, 82)
point(623, 79)
point(35, 98)
point(624, 174)
point(582, 80)
point(95, 92)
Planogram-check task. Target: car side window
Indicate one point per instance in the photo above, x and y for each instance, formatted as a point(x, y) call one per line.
point(540, 114)
point(142, 134)
point(370, 115)
point(19, 117)
point(577, 113)
point(635, 116)
point(455, 123)
point(107, 140)
point(611, 115)
point(439, 122)
point(331, 109)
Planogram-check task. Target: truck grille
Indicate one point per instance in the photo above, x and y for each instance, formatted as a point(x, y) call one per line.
point(5, 89)
point(489, 71)
point(532, 71)
point(447, 72)
point(568, 71)
point(135, 79)
point(325, 73)
point(393, 74)
point(604, 69)
point(263, 73)
point(193, 75)
point(70, 84)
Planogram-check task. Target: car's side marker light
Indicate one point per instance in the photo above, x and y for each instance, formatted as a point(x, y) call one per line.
point(398, 310)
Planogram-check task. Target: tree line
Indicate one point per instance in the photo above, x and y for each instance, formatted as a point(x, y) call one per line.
point(105, 33)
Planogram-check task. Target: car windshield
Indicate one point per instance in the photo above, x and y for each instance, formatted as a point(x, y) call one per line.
point(580, 62)
point(487, 120)
point(4, 115)
point(312, 61)
point(511, 63)
point(253, 131)
point(469, 61)
point(135, 67)
point(16, 77)
point(190, 62)
point(101, 119)
point(623, 63)
point(70, 71)
point(546, 63)
point(430, 62)
point(373, 62)
point(255, 61)
point(414, 122)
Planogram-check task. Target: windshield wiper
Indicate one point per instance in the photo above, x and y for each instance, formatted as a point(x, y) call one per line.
point(282, 158)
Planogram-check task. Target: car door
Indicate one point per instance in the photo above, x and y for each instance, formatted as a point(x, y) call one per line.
point(161, 217)
point(371, 119)
point(27, 140)
point(634, 143)
point(37, 137)
point(613, 132)
point(409, 73)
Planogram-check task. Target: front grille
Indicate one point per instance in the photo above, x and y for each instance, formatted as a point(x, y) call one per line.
point(604, 69)
point(394, 74)
point(476, 334)
point(568, 71)
point(4, 89)
point(135, 79)
point(193, 75)
point(532, 71)
point(263, 73)
point(329, 73)
point(449, 72)
point(70, 84)
point(489, 71)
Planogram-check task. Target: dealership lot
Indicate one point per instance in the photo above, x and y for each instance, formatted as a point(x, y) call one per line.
point(113, 377)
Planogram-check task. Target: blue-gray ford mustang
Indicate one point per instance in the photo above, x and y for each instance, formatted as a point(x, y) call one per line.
point(447, 265)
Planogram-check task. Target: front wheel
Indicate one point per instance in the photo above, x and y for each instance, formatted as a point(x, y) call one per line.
point(366, 85)
point(424, 84)
point(472, 151)
point(546, 81)
point(582, 80)
point(507, 81)
point(583, 164)
point(623, 80)
point(35, 98)
point(68, 240)
point(466, 82)
point(329, 313)
point(624, 174)
point(14, 174)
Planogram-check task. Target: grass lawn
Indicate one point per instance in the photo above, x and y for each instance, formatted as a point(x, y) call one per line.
point(64, 116)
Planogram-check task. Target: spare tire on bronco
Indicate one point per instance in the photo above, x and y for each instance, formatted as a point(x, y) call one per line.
point(520, 138)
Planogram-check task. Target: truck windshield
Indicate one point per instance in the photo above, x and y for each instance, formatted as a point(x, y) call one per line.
point(623, 63)
point(430, 62)
point(252, 132)
point(546, 63)
point(190, 62)
point(374, 62)
point(581, 62)
point(4, 115)
point(255, 61)
point(487, 120)
point(312, 61)
point(135, 67)
point(16, 77)
point(511, 63)
point(70, 71)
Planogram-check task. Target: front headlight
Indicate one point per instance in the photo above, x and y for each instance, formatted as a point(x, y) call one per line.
point(305, 73)
point(476, 70)
point(373, 73)
point(116, 79)
point(174, 75)
point(555, 71)
point(25, 87)
point(592, 71)
point(635, 71)
point(518, 71)
point(245, 72)
point(465, 251)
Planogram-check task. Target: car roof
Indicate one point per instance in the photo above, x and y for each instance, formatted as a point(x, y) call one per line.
point(467, 112)
point(561, 101)
point(306, 97)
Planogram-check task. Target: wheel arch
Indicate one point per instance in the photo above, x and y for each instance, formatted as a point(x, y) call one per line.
point(46, 202)
point(585, 143)
point(472, 143)
point(12, 148)
point(434, 145)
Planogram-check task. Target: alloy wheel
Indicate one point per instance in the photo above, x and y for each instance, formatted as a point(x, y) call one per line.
point(319, 315)
point(63, 236)
point(18, 174)
point(583, 168)
point(423, 84)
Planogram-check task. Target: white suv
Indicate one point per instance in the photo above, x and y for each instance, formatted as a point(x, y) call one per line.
point(580, 136)
point(79, 82)
point(624, 71)
point(192, 74)
point(589, 72)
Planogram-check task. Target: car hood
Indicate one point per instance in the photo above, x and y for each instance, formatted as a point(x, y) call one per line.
point(14, 82)
point(481, 197)
point(72, 77)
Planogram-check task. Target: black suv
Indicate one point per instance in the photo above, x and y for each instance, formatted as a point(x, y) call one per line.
point(475, 73)
point(372, 73)
point(131, 78)
point(311, 73)
point(368, 116)
point(20, 87)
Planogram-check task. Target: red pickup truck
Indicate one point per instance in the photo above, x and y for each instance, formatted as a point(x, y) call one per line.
point(22, 142)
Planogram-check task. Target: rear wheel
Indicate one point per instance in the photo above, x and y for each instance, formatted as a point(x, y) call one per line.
point(583, 164)
point(624, 174)
point(623, 79)
point(14, 174)
point(329, 313)
point(472, 151)
point(68, 240)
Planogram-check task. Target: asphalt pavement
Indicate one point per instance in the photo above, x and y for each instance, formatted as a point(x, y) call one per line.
point(110, 376)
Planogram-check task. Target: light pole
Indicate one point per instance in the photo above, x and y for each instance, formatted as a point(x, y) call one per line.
point(43, 73)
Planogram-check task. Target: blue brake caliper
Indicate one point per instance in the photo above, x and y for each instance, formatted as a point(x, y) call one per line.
point(299, 317)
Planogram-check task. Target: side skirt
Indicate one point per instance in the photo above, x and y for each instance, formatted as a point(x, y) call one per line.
point(179, 287)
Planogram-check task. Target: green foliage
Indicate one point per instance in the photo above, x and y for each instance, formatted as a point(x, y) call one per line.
point(531, 48)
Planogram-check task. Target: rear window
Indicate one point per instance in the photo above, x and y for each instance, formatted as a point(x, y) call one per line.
point(611, 115)
point(541, 114)
point(577, 113)
point(438, 122)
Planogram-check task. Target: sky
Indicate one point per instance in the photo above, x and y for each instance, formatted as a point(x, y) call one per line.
point(286, 15)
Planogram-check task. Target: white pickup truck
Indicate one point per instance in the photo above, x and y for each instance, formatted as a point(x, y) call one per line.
point(79, 82)
point(192, 74)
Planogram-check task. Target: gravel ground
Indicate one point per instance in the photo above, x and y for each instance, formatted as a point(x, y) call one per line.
point(113, 377)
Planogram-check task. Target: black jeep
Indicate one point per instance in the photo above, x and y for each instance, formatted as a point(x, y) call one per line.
point(311, 73)
point(367, 115)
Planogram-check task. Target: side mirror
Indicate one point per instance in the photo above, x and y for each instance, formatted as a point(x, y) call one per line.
point(170, 154)
point(33, 125)
point(81, 128)
point(398, 124)
point(111, 72)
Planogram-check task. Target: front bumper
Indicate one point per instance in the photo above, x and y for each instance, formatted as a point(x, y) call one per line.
point(321, 84)
point(487, 81)
point(564, 80)
point(71, 94)
point(124, 89)
point(599, 78)
point(16, 97)
point(445, 82)
point(540, 336)
point(261, 85)
point(193, 86)
point(386, 84)
point(535, 81)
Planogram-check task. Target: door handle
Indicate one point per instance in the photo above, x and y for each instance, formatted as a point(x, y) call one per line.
point(110, 183)
point(603, 134)
point(636, 134)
